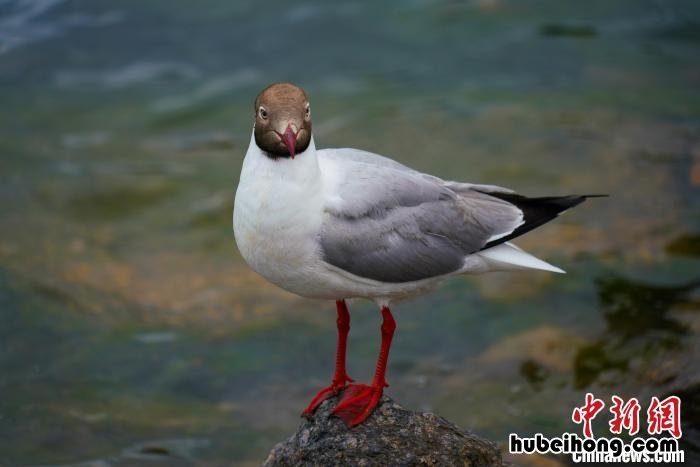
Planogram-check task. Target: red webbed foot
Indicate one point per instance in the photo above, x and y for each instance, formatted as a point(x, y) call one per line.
point(357, 403)
point(334, 389)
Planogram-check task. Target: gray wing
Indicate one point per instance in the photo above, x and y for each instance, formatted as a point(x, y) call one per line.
point(393, 224)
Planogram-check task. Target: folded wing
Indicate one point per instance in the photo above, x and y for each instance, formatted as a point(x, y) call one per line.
point(386, 222)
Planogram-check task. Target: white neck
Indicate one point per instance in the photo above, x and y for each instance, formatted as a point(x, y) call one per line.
point(303, 169)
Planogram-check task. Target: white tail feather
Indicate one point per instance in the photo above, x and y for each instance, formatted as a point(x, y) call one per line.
point(508, 256)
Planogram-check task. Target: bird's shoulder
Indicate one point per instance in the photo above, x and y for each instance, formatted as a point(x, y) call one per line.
point(358, 183)
point(352, 157)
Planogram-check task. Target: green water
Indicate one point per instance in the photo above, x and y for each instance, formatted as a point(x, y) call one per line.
point(130, 329)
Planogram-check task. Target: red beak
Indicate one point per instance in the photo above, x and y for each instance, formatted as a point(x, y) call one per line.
point(289, 138)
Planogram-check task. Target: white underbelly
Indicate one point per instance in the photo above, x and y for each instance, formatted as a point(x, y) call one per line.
point(276, 238)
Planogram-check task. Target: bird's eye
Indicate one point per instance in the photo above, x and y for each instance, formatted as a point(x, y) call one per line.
point(307, 112)
point(263, 113)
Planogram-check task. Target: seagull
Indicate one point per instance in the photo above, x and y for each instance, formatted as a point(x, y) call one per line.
point(344, 223)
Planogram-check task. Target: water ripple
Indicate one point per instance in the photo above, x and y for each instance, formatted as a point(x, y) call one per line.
point(23, 22)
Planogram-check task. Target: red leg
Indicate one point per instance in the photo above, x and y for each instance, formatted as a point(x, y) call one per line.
point(340, 377)
point(359, 400)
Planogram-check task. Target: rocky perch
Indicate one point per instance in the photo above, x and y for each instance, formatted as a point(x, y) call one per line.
point(392, 435)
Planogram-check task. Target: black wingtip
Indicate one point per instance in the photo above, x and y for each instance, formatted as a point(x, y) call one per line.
point(537, 211)
point(565, 202)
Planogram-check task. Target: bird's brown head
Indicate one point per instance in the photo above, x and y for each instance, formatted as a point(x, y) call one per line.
point(282, 120)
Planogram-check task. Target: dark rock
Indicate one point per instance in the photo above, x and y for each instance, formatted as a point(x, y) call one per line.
point(392, 435)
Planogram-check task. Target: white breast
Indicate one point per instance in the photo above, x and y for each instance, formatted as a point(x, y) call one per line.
point(277, 216)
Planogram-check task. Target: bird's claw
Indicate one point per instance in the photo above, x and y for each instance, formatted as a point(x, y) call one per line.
point(357, 403)
point(329, 391)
